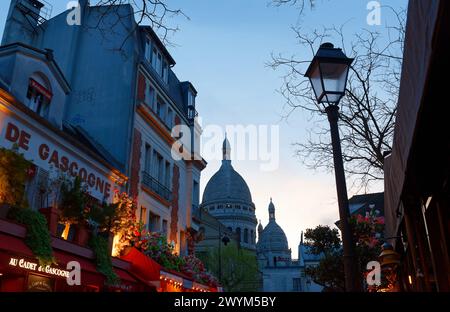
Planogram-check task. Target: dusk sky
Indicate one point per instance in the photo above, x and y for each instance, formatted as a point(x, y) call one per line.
point(223, 49)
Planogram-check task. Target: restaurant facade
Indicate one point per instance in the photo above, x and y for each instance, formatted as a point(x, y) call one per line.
point(417, 172)
point(32, 105)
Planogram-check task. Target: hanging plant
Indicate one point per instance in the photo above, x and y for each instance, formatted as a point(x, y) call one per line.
point(104, 264)
point(15, 170)
point(38, 236)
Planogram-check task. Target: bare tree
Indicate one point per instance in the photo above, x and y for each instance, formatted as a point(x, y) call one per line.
point(367, 112)
point(154, 13)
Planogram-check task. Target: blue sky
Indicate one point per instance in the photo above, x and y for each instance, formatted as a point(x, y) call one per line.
point(223, 50)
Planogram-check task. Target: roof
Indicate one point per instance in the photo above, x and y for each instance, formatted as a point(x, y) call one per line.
point(83, 137)
point(149, 30)
point(227, 185)
point(45, 55)
point(359, 203)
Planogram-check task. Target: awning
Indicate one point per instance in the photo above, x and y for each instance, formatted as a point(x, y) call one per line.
point(142, 265)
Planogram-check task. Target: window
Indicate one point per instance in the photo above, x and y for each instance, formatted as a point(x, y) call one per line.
point(143, 216)
point(150, 96)
point(195, 193)
point(159, 64)
point(245, 208)
point(158, 169)
point(238, 234)
point(191, 98)
point(220, 207)
point(252, 237)
point(154, 57)
point(148, 158)
point(161, 109)
point(148, 50)
point(230, 229)
point(245, 235)
point(169, 121)
point(167, 174)
point(164, 227)
point(237, 206)
point(154, 222)
point(165, 72)
point(212, 208)
point(297, 284)
point(39, 98)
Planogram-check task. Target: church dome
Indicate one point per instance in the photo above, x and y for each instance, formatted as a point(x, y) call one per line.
point(226, 184)
point(272, 237)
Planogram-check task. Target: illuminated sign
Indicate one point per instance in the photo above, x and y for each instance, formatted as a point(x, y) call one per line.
point(47, 155)
point(35, 267)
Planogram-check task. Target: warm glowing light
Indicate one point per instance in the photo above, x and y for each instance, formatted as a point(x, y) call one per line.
point(410, 279)
point(65, 233)
point(115, 251)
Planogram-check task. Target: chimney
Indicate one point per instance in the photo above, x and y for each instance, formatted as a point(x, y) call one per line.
point(24, 16)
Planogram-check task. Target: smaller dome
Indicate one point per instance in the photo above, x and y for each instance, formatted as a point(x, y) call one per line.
point(272, 238)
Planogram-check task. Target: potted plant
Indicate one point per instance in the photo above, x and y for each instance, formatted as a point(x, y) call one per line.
point(73, 203)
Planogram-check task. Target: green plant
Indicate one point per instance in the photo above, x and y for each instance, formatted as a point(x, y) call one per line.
point(99, 245)
point(73, 201)
point(100, 216)
point(38, 236)
point(14, 172)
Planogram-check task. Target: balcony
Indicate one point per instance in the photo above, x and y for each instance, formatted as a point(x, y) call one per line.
point(155, 186)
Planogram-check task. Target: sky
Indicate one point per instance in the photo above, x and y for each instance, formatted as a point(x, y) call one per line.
point(223, 49)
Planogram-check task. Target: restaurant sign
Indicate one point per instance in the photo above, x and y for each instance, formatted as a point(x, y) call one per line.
point(35, 267)
point(48, 153)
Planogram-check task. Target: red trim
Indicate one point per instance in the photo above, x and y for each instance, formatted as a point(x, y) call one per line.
point(45, 92)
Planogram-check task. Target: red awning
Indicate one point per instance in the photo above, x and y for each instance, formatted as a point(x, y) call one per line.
point(142, 265)
point(15, 245)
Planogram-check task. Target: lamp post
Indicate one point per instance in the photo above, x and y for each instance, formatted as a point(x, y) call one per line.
point(225, 240)
point(328, 73)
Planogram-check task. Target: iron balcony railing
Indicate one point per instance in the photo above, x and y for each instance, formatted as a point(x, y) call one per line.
point(157, 187)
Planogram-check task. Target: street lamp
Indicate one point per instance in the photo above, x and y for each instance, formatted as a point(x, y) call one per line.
point(225, 240)
point(328, 73)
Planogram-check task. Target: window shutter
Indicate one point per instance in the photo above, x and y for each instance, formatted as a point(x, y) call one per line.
point(141, 87)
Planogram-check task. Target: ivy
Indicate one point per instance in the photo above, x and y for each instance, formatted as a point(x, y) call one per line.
point(99, 245)
point(14, 172)
point(73, 201)
point(38, 236)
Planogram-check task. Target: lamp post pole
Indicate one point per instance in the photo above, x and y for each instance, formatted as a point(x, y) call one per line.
point(220, 253)
point(350, 263)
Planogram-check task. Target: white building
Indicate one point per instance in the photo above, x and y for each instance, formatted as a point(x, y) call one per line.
point(280, 272)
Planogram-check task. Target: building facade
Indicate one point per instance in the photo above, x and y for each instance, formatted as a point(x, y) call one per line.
point(416, 173)
point(32, 104)
point(280, 273)
point(127, 99)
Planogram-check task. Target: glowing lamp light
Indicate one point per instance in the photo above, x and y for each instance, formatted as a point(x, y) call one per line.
point(410, 280)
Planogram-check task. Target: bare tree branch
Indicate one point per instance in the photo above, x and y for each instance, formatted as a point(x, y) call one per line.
point(367, 113)
point(155, 13)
